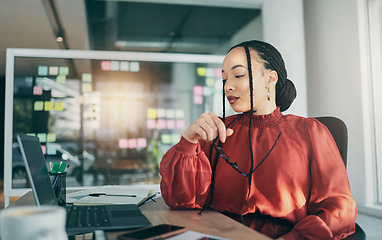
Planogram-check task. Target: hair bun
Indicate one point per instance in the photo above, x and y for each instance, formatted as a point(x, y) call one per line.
point(285, 94)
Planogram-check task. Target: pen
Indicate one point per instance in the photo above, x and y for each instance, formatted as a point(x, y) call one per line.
point(114, 195)
point(151, 197)
point(55, 168)
point(62, 167)
point(55, 182)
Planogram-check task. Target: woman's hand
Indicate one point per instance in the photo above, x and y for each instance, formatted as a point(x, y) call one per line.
point(207, 127)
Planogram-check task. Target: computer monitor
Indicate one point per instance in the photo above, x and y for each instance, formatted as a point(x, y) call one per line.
point(109, 115)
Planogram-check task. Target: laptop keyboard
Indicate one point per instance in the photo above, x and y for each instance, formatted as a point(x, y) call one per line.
point(87, 216)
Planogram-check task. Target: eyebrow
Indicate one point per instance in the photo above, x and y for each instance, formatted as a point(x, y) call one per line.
point(236, 66)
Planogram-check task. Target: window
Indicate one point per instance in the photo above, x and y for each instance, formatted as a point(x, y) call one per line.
point(371, 60)
point(375, 20)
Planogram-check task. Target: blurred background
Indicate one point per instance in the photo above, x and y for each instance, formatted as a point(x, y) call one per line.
point(112, 120)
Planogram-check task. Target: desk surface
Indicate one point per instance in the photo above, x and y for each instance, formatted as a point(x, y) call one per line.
point(209, 222)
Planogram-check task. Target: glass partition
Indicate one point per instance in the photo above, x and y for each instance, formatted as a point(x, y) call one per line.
point(109, 115)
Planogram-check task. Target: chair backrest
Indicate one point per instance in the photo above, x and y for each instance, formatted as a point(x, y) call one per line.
point(339, 132)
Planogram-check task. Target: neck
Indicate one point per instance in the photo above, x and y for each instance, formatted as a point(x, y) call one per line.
point(265, 111)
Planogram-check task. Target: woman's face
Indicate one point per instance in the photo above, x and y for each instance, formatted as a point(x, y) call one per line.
point(235, 73)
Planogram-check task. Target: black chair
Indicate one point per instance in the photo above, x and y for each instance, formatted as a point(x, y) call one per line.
point(339, 132)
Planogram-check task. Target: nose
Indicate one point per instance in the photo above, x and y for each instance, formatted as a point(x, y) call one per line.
point(228, 86)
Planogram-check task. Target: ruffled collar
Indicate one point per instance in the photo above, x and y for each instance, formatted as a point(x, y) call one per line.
point(263, 121)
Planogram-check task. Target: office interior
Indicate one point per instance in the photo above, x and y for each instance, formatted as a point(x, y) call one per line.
point(332, 50)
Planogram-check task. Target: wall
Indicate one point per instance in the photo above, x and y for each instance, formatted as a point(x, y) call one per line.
point(283, 27)
point(334, 75)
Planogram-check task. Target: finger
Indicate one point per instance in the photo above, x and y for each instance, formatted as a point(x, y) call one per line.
point(229, 132)
point(211, 127)
point(220, 128)
point(200, 131)
point(210, 131)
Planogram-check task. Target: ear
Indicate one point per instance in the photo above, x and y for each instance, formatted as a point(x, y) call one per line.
point(272, 78)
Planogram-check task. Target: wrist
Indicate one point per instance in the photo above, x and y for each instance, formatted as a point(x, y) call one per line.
point(189, 139)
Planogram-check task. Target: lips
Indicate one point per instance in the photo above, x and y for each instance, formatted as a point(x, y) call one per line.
point(232, 99)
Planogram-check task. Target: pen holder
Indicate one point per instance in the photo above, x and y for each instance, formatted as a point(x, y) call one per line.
point(59, 187)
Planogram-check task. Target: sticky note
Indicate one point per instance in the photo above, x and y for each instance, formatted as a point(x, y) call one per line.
point(53, 70)
point(166, 139)
point(61, 79)
point(179, 113)
point(123, 143)
point(132, 143)
point(63, 71)
point(161, 123)
point(43, 70)
point(170, 124)
point(58, 106)
point(207, 91)
point(37, 90)
point(151, 123)
point(114, 66)
point(210, 82)
point(170, 113)
point(198, 90)
point(161, 113)
point(51, 137)
point(38, 106)
point(43, 147)
point(201, 71)
point(51, 149)
point(180, 124)
point(42, 137)
point(86, 77)
point(198, 99)
point(134, 66)
point(48, 105)
point(105, 65)
point(151, 113)
point(86, 87)
point(124, 66)
point(141, 142)
point(218, 72)
point(210, 72)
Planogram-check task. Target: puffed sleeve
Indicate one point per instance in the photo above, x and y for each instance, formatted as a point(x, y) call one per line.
point(186, 176)
point(331, 208)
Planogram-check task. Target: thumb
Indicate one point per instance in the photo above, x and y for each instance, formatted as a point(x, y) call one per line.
point(229, 132)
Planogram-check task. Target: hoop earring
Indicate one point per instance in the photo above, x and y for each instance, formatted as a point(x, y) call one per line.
point(269, 95)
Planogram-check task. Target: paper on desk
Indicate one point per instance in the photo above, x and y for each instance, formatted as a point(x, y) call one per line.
point(191, 235)
point(83, 198)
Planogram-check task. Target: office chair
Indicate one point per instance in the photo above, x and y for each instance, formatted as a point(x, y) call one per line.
point(339, 132)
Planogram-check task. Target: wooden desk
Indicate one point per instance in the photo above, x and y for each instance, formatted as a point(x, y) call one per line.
point(209, 222)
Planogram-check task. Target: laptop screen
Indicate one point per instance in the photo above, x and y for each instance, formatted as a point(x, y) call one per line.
point(37, 170)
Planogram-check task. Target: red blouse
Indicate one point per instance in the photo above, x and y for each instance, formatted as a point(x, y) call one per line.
point(300, 191)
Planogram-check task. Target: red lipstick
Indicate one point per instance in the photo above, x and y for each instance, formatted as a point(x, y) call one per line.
point(232, 99)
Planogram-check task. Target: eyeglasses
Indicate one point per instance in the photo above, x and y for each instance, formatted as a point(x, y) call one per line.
point(234, 165)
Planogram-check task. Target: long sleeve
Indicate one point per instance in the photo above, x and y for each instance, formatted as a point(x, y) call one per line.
point(331, 210)
point(186, 176)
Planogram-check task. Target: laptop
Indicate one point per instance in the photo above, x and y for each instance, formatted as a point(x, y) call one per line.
point(112, 217)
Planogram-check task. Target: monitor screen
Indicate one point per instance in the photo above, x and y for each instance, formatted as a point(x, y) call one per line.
point(109, 115)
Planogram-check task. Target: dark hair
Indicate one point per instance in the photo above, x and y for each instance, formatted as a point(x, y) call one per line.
point(285, 89)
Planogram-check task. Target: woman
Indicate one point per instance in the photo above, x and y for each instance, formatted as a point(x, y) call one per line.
point(281, 175)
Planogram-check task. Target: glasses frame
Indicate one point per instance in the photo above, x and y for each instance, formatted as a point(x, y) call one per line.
point(234, 165)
